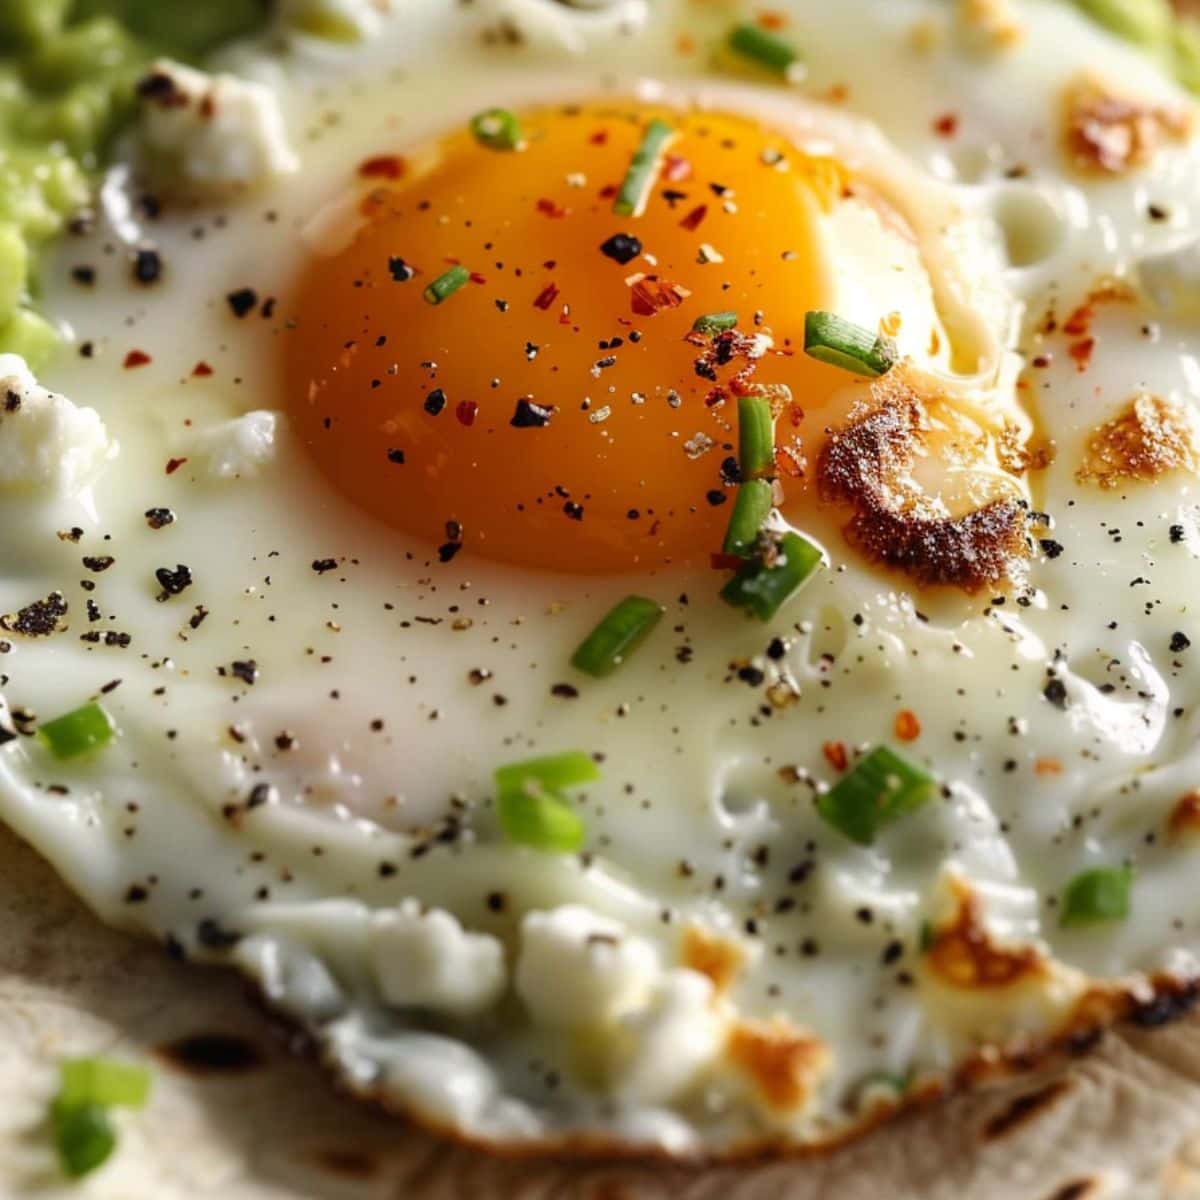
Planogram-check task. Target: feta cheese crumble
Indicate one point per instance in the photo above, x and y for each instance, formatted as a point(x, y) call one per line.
point(237, 449)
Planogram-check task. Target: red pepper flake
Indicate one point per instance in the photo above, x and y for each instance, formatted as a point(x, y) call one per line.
point(835, 755)
point(136, 358)
point(946, 125)
point(693, 219)
point(1082, 351)
point(202, 370)
point(551, 208)
point(685, 44)
point(383, 166)
point(649, 296)
point(789, 462)
point(676, 168)
point(1048, 766)
point(599, 138)
point(608, 191)
point(465, 412)
point(906, 726)
point(726, 562)
point(770, 19)
point(173, 464)
point(1080, 321)
point(546, 297)
point(475, 277)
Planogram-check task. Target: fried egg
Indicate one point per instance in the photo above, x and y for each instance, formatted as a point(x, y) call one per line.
point(335, 498)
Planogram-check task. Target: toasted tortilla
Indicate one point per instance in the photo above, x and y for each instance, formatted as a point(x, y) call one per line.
point(239, 1111)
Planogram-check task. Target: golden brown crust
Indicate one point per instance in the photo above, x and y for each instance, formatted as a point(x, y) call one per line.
point(963, 954)
point(783, 1063)
point(720, 958)
point(1185, 816)
point(1148, 438)
point(867, 464)
point(1110, 132)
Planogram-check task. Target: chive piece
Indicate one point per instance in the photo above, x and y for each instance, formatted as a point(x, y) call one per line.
point(716, 322)
point(617, 636)
point(83, 1137)
point(762, 589)
point(639, 179)
point(543, 822)
point(756, 438)
point(880, 788)
point(832, 339)
point(755, 499)
point(103, 1081)
point(551, 773)
point(497, 128)
point(446, 284)
point(1101, 894)
point(77, 732)
point(765, 48)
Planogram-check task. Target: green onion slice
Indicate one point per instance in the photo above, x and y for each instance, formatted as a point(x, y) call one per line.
point(765, 48)
point(77, 732)
point(881, 788)
point(551, 773)
point(832, 339)
point(755, 499)
point(643, 169)
point(717, 322)
point(83, 1136)
point(756, 437)
point(103, 1081)
point(617, 636)
point(1101, 894)
point(762, 590)
point(446, 284)
point(544, 822)
point(497, 128)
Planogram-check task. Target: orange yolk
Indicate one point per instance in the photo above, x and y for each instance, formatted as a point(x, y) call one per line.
point(551, 412)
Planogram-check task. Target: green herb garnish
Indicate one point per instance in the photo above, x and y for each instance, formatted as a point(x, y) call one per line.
point(765, 48)
point(717, 322)
point(762, 588)
point(756, 438)
point(79, 1116)
point(834, 340)
point(751, 508)
point(1101, 894)
point(77, 732)
point(497, 128)
point(880, 788)
point(617, 636)
point(643, 169)
point(531, 809)
point(446, 284)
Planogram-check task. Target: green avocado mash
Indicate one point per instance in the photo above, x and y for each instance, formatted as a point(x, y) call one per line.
point(67, 75)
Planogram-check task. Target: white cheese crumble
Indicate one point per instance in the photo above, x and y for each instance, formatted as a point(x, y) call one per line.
point(668, 1044)
point(1172, 279)
point(211, 132)
point(425, 959)
point(237, 449)
point(578, 969)
point(335, 20)
point(47, 444)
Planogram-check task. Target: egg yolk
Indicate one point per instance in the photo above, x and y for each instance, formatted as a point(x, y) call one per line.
point(556, 410)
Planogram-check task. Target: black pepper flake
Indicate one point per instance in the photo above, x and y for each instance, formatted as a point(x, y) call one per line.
point(1050, 548)
point(396, 455)
point(211, 934)
point(776, 649)
point(260, 794)
point(321, 565)
point(622, 248)
point(245, 670)
point(751, 675)
point(242, 301)
point(159, 518)
point(1179, 641)
point(98, 562)
point(715, 497)
point(136, 894)
point(573, 510)
point(435, 402)
point(1056, 692)
point(83, 275)
point(1176, 534)
point(147, 265)
point(565, 691)
point(529, 415)
point(399, 270)
point(197, 618)
point(39, 619)
point(448, 550)
point(173, 582)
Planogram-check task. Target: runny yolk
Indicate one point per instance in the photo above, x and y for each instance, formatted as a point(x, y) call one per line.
point(551, 412)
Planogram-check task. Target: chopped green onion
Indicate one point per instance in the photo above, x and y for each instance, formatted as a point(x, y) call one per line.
point(756, 437)
point(543, 822)
point(497, 128)
point(552, 773)
point(1101, 894)
point(446, 284)
point(77, 732)
point(765, 48)
point(639, 179)
point(717, 322)
point(833, 339)
point(880, 788)
point(103, 1081)
point(617, 636)
point(755, 499)
point(762, 589)
point(83, 1137)
point(89, 1087)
